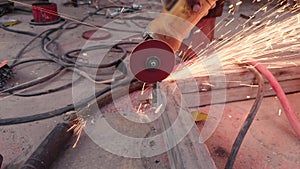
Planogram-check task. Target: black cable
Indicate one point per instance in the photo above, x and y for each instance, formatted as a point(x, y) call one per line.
point(34, 82)
point(31, 60)
point(63, 87)
point(37, 81)
point(12, 90)
point(40, 35)
point(36, 117)
point(60, 111)
point(73, 59)
point(18, 31)
point(60, 60)
point(19, 54)
point(45, 36)
point(44, 79)
point(15, 63)
point(23, 9)
point(51, 54)
point(57, 112)
point(241, 135)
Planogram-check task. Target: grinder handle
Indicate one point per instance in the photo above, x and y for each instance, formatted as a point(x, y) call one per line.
point(177, 20)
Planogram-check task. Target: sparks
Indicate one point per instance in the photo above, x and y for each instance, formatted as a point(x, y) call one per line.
point(143, 89)
point(78, 125)
point(271, 42)
point(139, 108)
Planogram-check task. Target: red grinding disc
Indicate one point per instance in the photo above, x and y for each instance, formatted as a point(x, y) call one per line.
point(152, 61)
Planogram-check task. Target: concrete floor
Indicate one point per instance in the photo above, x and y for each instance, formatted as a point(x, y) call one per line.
point(270, 143)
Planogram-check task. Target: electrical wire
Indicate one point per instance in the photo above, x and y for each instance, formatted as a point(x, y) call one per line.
point(36, 117)
point(75, 25)
point(23, 9)
point(36, 81)
point(33, 82)
point(39, 80)
point(18, 31)
point(75, 68)
point(65, 86)
point(64, 64)
point(20, 53)
point(73, 59)
point(62, 110)
point(44, 79)
point(48, 77)
point(31, 60)
point(242, 133)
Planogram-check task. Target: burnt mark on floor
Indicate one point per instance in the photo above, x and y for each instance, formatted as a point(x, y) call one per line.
point(220, 152)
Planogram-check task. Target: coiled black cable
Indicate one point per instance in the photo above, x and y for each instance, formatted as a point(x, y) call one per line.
point(64, 64)
point(33, 83)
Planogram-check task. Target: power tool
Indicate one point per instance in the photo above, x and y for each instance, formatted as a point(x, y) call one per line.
point(154, 59)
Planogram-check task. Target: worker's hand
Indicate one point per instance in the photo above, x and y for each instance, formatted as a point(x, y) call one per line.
point(196, 5)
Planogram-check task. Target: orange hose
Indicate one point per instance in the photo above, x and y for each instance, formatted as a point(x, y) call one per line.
point(290, 113)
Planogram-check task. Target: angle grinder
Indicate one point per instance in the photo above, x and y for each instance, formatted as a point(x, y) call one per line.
point(153, 60)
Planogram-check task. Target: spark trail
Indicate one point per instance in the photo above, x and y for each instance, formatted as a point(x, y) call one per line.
point(275, 44)
point(271, 43)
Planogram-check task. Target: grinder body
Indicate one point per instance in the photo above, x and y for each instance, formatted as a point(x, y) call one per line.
point(166, 32)
point(177, 20)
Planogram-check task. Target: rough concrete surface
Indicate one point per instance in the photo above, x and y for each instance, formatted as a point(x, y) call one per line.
point(270, 143)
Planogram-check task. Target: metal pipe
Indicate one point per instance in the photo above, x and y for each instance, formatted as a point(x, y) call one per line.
point(49, 149)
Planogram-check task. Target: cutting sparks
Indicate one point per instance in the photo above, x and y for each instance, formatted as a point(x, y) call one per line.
point(78, 125)
point(270, 42)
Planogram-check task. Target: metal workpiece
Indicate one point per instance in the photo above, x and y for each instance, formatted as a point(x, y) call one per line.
point(50, 148)
point(181, 135)
point(155, 94)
